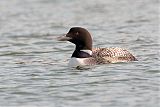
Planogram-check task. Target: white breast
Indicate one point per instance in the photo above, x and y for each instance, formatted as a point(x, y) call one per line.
point(74, 62)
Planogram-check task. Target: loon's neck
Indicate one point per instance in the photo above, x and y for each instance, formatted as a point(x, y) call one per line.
point(82, 53)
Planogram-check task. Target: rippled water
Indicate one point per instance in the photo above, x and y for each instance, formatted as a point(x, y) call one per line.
point(33, 65)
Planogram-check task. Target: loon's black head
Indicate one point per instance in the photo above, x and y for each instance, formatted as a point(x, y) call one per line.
point(80, 37)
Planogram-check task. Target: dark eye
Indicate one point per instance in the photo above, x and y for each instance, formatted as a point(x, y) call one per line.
point(77, 33)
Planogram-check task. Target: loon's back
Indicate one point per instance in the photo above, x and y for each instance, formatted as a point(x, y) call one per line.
point(120, 53)
point(109, 55)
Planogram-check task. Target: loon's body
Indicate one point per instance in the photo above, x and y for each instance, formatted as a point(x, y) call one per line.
point(84, 54)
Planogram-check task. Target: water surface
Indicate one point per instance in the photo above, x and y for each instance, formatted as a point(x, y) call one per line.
point(33, 64)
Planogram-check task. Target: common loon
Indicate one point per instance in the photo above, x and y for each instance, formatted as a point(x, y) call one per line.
point(84, 54)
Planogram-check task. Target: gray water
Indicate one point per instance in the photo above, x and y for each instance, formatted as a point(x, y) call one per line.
point(33, 64)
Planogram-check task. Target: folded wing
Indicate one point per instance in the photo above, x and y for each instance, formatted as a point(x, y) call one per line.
point(112, 55)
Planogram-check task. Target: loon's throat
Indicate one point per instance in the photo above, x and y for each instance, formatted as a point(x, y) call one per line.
point(82, 53)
